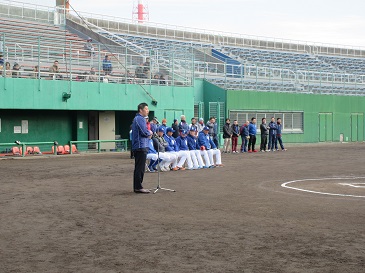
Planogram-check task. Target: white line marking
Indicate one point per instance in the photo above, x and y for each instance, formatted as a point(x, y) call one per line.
point(284, 185)
point(354, 185)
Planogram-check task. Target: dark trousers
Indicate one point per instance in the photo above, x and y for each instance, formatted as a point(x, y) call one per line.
point(139, 168)
point(244, 144)
point(252, 142)
point(215, 140)
point(272, 140)
point(278, 138)
point(263, 142)
point(234, 143)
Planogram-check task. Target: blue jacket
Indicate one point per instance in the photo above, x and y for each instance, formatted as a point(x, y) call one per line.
point(252, 129)
point(206, 141)
point(172, 144)
point(273, 127)
point(151, 149)
point(244, 131)
point(278, 129)
point(193, 143)
point(140, 133)
point(107, 65)
point(183, 126)
point(182, 143)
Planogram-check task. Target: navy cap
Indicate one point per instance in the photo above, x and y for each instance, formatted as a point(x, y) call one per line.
point(161, 129)
point(184, 132)
point(169, 129)
point(206, 128)
point(175, 120)
point(192, 128)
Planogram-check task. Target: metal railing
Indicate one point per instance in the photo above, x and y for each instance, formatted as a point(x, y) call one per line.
point(97, 145)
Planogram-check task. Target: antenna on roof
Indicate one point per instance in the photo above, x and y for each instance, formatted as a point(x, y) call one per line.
point(140, 11)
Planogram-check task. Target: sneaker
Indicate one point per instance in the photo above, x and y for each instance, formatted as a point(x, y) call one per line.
point(283, 150)
point(175, 169)
point(268, 150)
point(205, 167)
point(255, 151)
point(262, 151)
point(150, 169)
point(249, 151)
point(181, 169)
point(211, 167)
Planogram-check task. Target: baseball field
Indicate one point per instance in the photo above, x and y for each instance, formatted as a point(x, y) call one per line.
point(302, 210)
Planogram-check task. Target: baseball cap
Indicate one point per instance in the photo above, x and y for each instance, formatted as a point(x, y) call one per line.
point(169, 129)
point(184, 132)
point(192, 128)
point(161, 129)
point(206, 128)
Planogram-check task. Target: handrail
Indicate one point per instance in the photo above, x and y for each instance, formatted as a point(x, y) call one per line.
point(125, 141)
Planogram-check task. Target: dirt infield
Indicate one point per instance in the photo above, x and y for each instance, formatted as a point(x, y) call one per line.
point(79, 214)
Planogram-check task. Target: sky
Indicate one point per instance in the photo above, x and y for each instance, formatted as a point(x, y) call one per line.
point(313, 21)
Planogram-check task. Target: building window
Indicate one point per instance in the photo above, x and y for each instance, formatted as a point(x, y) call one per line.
point(292, 121)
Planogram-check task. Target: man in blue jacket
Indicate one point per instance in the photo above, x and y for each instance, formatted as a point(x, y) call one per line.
point(206, 143)
point(140, 138)
point(252, 133)
point(172, 148)
point(183, 149)
point(195, 151)
point(272, 135)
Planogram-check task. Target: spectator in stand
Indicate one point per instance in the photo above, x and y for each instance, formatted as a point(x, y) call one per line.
point(55, 71)
point(107, 65)
point(272, 135)
point(139, 71)
point(245, 136)
point(175, 127)
point(252, 130)
point(16, 73)
point(130, 77)
point(183, 124)
point(92, 76)
point(156, 79)
point(7, 70)
point(2, 61)
point(264, 129)
point(235, 135)
point(89, 48)
point(227, 135)
point(147, 74)
point(278, 135)
point(200, 125)
point(34, 74)
point(162, 80)
point(147, 63)
point(193, 124)
point(206, 143)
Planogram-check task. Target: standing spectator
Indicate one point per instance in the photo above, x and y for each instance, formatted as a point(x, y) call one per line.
point(89, 48)
point(213, 130)
point(140, 138)
point(107, 65)
point(175, 127)
point(264, 132)
point(193, 124)
point(245, 136)
point(272, 135)
point(16, 73)
point(252, 132)
point(200, 125)
point(55, 71)
point(278, 135)
point(235, 135)
point(227, 135)
point(7, 69)
point(183, 124)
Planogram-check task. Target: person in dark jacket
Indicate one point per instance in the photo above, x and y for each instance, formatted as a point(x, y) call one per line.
point(252, 132)
point(183, 125)
point(272, 135)
point(264, 129)
point(235, 135)
point(244, 136)
point(278, 135)
point(175, 127)
point(140, 138)
point(227, 135)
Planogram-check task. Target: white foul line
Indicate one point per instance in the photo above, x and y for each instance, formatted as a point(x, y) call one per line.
point(284, 185)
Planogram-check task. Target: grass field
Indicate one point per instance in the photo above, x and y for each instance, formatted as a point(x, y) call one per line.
point(79, 214)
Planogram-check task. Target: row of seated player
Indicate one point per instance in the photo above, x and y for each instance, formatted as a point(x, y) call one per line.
point(18, 151)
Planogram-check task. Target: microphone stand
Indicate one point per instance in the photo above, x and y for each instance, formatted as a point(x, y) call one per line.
point(158, 173)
